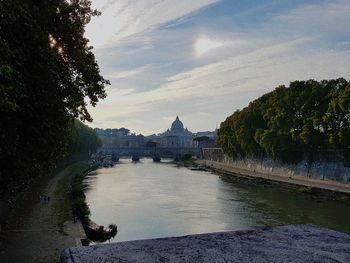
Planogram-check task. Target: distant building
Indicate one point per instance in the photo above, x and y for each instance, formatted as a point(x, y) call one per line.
point(176, 136)
point(120, 138)
point(179, 136)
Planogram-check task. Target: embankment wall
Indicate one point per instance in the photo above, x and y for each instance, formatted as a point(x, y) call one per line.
point(325, 170)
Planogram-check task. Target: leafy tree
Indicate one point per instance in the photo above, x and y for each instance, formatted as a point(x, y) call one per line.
point(124, 131)
point(292, 123)
point(48, 74)
point(83, 139)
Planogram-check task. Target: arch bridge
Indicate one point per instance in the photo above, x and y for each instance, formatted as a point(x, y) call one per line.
point(161, 152)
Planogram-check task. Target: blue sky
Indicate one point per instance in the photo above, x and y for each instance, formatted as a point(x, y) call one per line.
point(204, 59)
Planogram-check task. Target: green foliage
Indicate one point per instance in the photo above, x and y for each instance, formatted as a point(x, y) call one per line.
point(63, 205)
point(186, 157)
point(80, 209)
point(291, 122)
point(83, 139)
point(48, 74)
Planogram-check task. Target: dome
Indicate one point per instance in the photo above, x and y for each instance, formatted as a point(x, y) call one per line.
point(177, 126)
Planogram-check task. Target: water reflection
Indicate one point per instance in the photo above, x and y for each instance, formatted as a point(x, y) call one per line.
point(149, 200)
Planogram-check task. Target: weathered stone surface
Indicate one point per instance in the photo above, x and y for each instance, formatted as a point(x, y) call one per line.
point(292, 243)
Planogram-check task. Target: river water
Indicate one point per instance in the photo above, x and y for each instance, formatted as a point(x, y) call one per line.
point(151, 200)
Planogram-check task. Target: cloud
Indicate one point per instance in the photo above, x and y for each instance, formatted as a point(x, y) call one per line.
point(329, 19)
point(169, 118)
point(225, 77)
point(129, 73)
point(309, 41)
point(124, 18)
point(232, 83)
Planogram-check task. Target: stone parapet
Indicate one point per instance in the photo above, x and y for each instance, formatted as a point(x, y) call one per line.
point(292, 243)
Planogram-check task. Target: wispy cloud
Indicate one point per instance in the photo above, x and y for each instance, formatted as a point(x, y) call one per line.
point(124, 18)
point(309, 41)
point(261, 70)
point(129, 73)
point(328, 19)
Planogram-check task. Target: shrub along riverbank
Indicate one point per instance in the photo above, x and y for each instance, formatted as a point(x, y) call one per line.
point(76, 206)
point(70, 193)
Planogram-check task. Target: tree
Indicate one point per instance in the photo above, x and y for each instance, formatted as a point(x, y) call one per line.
point(48, 74)
point(83, 139)
point(292, 123)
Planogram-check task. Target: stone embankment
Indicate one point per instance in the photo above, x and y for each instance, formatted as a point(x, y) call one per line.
point(330, 168)
point(287, 178)
point(293, 243)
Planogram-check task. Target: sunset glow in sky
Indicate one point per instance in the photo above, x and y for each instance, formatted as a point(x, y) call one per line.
point(204, 44)
point(204, 59)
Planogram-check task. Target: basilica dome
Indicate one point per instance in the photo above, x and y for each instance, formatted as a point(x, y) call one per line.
point(177, 126)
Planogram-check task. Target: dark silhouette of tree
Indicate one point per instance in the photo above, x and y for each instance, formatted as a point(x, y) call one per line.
point(48, 74)
point(83, 139)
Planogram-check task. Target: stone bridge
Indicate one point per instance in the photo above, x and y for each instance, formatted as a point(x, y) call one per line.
point(162, 152)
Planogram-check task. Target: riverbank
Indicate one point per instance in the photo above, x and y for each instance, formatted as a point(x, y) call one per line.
point(49, 227)
point(323, 185)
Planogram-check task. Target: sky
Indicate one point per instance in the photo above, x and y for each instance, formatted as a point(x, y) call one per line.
point(204, 59)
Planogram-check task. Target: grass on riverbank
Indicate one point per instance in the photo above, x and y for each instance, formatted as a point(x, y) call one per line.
point(69, 194)
point(190, 163)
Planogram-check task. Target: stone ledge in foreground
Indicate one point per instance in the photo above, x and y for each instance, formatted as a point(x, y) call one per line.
point(291, 243)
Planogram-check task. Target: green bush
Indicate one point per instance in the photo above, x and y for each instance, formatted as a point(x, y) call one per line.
point(80, 209)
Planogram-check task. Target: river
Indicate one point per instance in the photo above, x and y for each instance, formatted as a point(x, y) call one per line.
point(151, 200)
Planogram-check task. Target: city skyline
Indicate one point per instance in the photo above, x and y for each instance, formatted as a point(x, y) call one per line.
point(165, 129)
point(205, 59)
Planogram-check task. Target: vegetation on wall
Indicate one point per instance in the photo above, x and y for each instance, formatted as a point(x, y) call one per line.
point(292, 123)
point(48, 74)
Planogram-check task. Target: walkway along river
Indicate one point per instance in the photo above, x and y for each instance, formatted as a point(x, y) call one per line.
point(150, 200)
